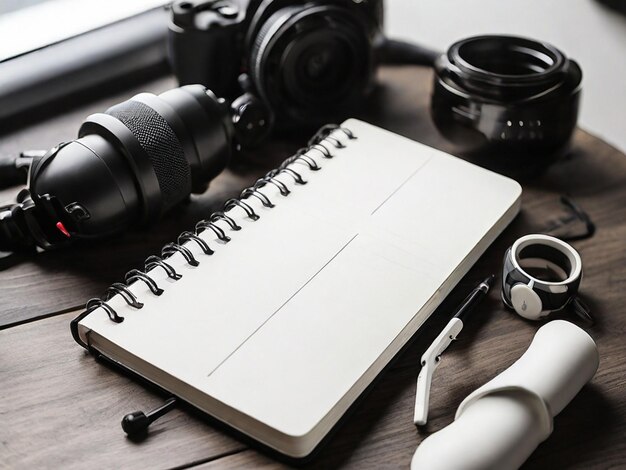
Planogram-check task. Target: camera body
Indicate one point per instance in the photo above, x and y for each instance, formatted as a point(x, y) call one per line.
point(308, 62)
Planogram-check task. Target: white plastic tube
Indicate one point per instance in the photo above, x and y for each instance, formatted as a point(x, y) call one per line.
point(500, 424)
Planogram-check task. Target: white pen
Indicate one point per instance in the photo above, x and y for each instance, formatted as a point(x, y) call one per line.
point(432, 356)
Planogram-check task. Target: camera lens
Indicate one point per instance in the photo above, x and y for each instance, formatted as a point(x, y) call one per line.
point(321, 66)
point(320, 69)
point(311, 62)
point(509, 103)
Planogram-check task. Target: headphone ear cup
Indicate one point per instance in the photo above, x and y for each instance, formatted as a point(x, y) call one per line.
point(162, 146)
point(526, 302)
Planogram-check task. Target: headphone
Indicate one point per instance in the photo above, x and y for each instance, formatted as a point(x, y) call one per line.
point(541, 275)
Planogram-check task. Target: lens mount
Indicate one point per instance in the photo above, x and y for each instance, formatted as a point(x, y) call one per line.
point(308, 62)
point(505, 66)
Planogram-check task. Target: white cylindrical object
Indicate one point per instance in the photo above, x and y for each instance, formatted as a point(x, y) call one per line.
point(500, 424)
point(481, 439)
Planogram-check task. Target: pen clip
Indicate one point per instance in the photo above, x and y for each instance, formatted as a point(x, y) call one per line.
point(430, 360)
point(422, 394)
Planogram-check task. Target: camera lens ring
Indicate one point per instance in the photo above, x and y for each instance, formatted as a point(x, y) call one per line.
point(274, 61)
point(547, 69)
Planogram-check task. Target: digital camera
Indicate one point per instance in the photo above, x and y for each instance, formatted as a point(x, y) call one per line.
point(306, 62)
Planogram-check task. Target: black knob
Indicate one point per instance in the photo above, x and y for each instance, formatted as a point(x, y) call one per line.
point(135, 423)
point(251, 120)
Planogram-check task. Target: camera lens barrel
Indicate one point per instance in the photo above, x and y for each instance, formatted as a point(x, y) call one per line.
point(509, 102)
point(311, 62)
point(134, 162)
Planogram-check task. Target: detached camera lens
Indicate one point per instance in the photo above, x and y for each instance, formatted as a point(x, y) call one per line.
point(510, 103)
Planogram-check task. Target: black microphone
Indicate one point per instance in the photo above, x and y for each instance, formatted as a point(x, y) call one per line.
point(129, 165)
point(136, 424)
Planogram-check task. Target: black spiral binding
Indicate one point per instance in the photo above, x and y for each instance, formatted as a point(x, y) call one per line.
point(172, 248)
point(136, 275)
point(154, 261)
point(186, 236)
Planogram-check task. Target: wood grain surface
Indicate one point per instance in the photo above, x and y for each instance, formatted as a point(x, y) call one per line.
point(59, 408)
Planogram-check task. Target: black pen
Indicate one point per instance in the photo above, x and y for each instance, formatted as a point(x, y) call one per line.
point(432, 356)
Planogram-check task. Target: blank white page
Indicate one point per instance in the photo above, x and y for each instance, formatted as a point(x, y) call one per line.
point(282, 322)
point(408, 236)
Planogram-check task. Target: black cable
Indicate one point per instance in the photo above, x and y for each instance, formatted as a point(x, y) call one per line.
point(14, 170)
point(396, 52)
point(10, 174)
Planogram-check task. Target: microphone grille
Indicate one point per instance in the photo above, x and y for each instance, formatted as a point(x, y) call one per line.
point(161, 145)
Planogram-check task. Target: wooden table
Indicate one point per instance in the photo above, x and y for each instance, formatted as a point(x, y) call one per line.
point(61, 409)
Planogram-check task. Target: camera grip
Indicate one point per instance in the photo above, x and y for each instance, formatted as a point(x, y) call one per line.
point(210, 58)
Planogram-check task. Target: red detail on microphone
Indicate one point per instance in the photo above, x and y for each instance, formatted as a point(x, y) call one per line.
point(63, 230)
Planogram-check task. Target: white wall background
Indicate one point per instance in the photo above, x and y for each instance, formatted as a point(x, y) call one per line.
point(583, 29)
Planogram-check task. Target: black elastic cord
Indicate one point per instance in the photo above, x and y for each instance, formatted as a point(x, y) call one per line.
point(10, 173)
point(575, 214)
point(396, 52)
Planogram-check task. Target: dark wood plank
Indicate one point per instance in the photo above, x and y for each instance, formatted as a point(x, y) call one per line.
point(40, 365)
point(59, 408)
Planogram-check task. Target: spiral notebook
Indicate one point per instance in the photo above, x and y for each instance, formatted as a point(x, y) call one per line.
point(275, 314)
